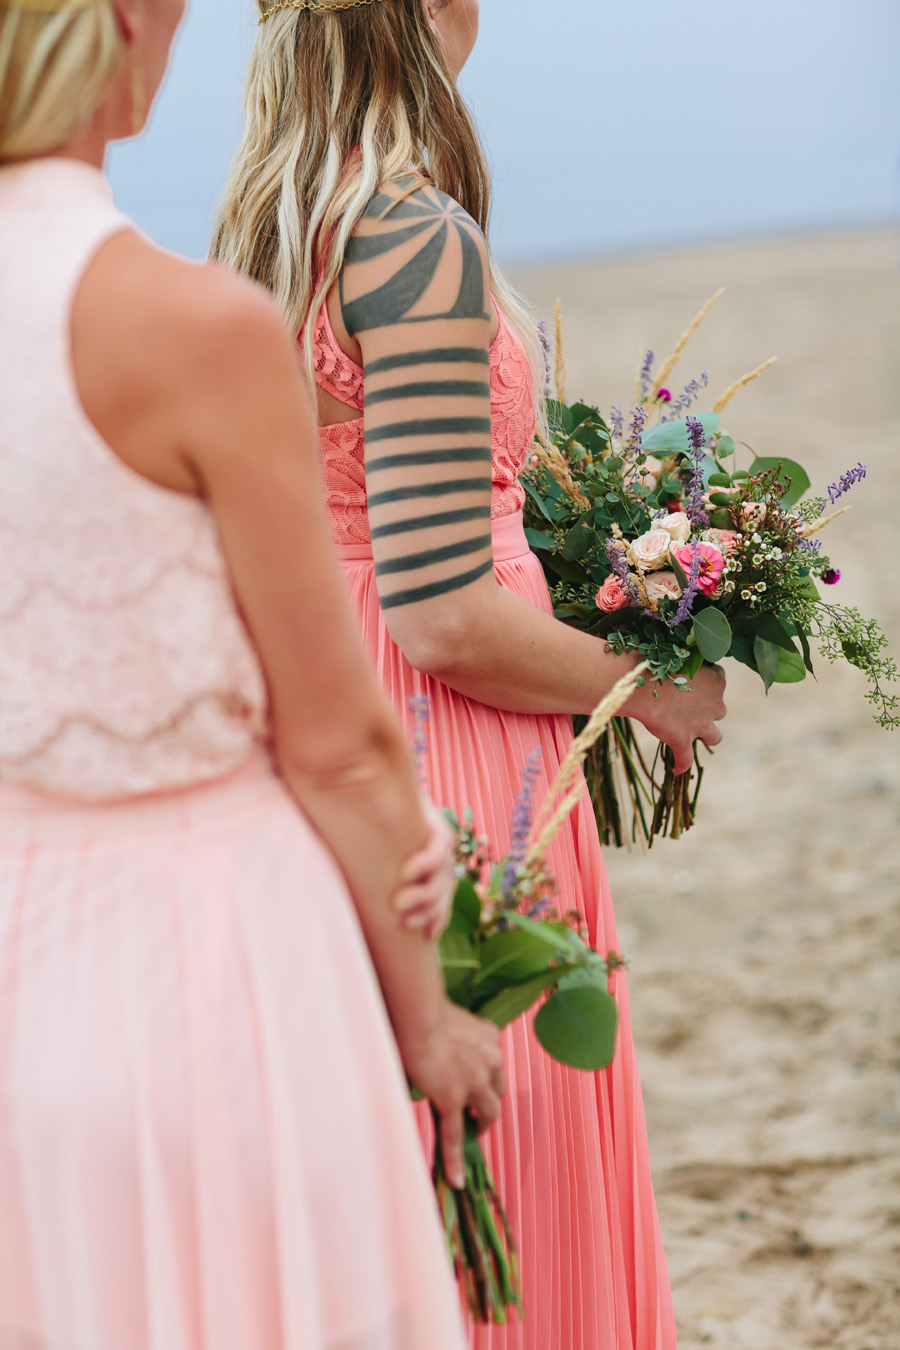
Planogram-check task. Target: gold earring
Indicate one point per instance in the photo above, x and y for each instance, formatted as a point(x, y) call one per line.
point(138, 94)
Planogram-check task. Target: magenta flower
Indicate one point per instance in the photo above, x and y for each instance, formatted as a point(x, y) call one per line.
point(711, 564)
point(832, 576)
point(664, 395)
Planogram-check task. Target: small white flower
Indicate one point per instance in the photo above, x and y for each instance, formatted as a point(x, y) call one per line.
point(760, 586)
point(746, 594)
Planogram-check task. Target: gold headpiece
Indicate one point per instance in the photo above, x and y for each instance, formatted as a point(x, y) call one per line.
point(315, 6)
point(48, 6)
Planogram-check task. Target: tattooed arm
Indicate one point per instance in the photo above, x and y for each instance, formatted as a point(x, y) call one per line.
point(415, 298)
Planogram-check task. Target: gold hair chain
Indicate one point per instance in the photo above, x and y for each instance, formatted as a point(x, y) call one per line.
point(315, 6)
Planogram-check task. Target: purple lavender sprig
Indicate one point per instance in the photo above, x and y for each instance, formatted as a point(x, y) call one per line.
point(846, 482)
point(520, 826)
point(419, 706)
point(689, 395)
point(617, 422)
point(619, 563)
point(638, 422)
point(694, 501)
point(646, 369)
point(689, 594)
point(544, 335)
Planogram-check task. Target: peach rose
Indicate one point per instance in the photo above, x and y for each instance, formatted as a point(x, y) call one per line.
point(678, 526)
point(711, 564)
point(662, 585)
point(610, 596)
point(724, 540)
point(650, 550)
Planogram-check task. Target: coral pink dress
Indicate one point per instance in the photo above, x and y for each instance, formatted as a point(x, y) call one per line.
point(570, 1151)
point(205, 1134)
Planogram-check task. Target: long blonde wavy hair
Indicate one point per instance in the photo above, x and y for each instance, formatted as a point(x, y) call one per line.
point(55, 68)
point(337, 105)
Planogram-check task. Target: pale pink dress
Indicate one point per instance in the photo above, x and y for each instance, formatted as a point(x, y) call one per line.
point(570, 1151)
point(206, 1141)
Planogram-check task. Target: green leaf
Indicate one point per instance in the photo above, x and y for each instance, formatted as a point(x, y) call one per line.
point(578, 1027)
point(789, 469)
point(807, 656)
point(457, 957)
point(725, 447)
point(721, 520)
point(791, 669)
point(672, 437)
point(569, 571)
point(766, 655)
point(506, 1006)
point(577, 542)
point(515, 956)
point(539, 539)
point(466, 913)
point(767, 625)
point(742, 650)
point(537, 499)
point(722, 499)
point(720, 480)
point(713, 634)
point(693, 664)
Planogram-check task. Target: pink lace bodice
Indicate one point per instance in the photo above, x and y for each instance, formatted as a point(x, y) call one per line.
point(341, 445)
point(124, 666)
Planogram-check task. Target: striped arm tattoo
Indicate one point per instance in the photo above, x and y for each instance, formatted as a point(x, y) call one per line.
point(414, 293)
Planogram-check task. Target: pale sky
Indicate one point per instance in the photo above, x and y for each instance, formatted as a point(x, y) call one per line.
point(611, 127)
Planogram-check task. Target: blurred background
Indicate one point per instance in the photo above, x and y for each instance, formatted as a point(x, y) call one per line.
point(645, 155)
point(611, 126)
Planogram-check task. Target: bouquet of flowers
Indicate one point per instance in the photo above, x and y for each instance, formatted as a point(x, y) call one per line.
point(655, 536)
point(504, 949)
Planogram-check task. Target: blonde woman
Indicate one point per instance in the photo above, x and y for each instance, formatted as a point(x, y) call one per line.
point(360, 197)
point(205, 1132)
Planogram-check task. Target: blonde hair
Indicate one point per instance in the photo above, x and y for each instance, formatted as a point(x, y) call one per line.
point(55, 68)
point(336, 106)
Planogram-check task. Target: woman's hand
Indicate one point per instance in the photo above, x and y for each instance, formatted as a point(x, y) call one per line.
point(458, 1068)
point(428, 880)
point(679, 719)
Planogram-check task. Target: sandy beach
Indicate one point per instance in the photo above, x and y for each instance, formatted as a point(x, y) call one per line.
point(765, 945)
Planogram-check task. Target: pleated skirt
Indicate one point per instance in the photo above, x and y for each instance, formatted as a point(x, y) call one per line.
point(206, 1141)
point(569, 1153)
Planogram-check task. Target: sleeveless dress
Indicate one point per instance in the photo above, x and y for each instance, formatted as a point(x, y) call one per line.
point(569, 1153)
point(205, 1133)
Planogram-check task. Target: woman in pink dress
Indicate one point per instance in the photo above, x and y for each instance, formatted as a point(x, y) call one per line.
point(360, 198)
point(206, 1141)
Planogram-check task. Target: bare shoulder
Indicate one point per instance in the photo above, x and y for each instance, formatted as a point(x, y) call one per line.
point(179, 314)
point(415, 255)
point(170, 355)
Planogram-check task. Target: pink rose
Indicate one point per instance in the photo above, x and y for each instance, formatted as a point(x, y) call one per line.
point(726, 541)
point(711, 564)
point(650, 550)
point(610, 596)
point(662, 585)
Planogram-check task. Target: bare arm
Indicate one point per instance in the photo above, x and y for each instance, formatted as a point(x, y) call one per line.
point(227, 417)
point(415, 298)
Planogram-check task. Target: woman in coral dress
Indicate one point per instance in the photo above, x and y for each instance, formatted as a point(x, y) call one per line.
point(360, 197)
point(205, 1134)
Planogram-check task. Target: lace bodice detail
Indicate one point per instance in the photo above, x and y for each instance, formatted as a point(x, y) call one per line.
point(341, 444)
point(124, 665)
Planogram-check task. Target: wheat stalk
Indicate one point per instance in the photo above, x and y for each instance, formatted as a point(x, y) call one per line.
point(560, 370)
point(569, 783)
point(556, 466)
point(730, 392)
point(815, 526)
point(669, 365)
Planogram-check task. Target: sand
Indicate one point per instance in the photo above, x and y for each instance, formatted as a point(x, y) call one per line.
point(765, 945)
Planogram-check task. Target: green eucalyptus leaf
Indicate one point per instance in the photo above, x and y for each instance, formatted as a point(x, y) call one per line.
point(766, 655)
point(569, 571)
point(712, 632)
point(720, 480)
point(791, 669)
point(577, 542)
point(509, 1004)
point(465, 915)
point(539, 539)
point(725, 447)
point(789, 469)
point(721, 520)
point(672, 437)
point(514, 956)
point(578, 1027)
point(722, 499)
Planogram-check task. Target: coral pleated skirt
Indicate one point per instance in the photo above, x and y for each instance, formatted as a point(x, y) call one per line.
point(206, 1141)
point(569, 1153)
